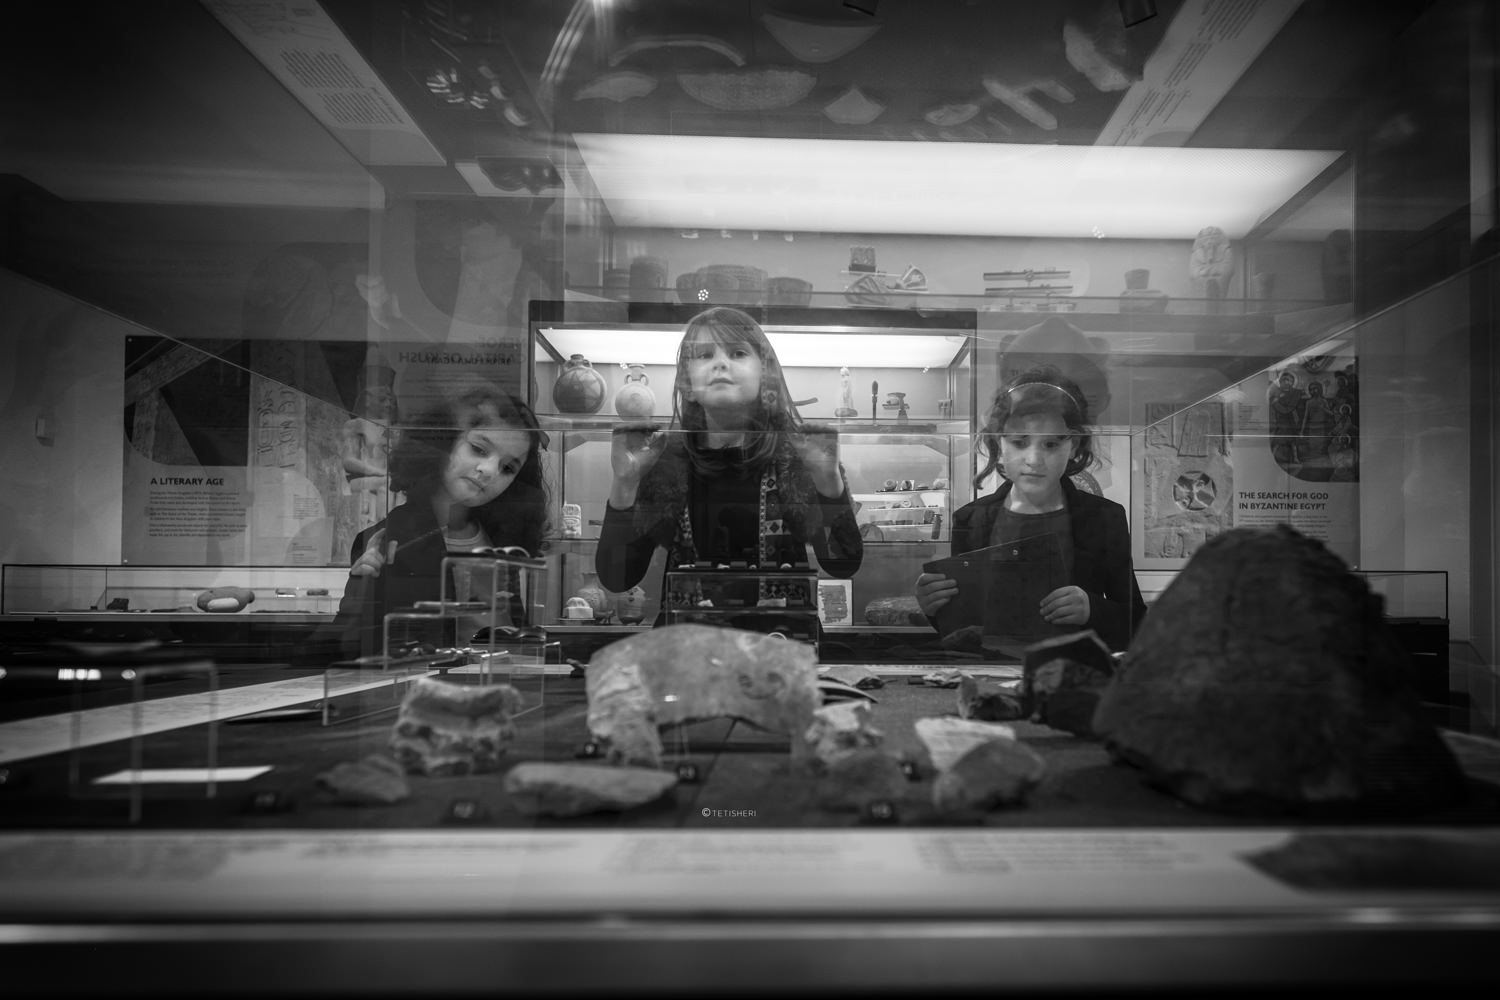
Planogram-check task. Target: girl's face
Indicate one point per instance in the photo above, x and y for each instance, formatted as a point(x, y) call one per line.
point(483, 463)
point(1035, 450)
point(723, 377)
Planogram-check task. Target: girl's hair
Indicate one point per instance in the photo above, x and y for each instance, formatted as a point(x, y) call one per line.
point(1044, 389)
point(773, 412)
point(423, 446)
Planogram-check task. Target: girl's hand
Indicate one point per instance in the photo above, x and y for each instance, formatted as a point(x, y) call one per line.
point(1066, 606)
point(633, 450)
point(818, 447)
point(372, 560)
point(935, 590)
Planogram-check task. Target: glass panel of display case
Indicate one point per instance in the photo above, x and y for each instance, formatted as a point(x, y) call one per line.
point(370, 685)
point(113, 728)
point(1410, 593)
point(29, 588)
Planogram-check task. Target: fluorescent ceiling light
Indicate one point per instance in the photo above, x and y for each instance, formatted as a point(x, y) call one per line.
point(940, 188)
point(794, 349)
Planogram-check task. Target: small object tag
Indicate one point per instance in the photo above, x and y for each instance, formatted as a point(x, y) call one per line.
point(461, 811)
point(268, 801)
point(687, 773)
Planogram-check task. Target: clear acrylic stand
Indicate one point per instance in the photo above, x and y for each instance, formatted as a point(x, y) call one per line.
point(498, 602)
point(111, 725)
point(485, 628)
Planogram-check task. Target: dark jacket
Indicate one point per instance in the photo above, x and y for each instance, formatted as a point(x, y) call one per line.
point(1101, 556)
point(358, 628)
point(629, 539)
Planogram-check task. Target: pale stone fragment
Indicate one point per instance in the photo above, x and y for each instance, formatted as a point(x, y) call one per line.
point(855, 675)
point(996, 704)
point(948, 739)
point(541, 789)
point(994, 774)
point(894, 611)
point(446, 729)
point(685, 673)
point(841, 729)
point(949, 678)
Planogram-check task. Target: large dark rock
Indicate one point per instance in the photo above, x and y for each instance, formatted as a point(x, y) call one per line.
point(1265, 680)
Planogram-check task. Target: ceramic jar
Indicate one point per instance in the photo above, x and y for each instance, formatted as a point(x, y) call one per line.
point(635, 400)
point(597, 597)
point(579, 389)
point(632, 606)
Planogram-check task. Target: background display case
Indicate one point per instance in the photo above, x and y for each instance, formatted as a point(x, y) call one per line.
point(912, 381)
point(44, 604)
point(165, 590)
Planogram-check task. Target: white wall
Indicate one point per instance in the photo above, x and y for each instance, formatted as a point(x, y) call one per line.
point(65, 361)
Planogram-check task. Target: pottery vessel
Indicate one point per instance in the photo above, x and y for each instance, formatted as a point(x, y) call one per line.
point(579, 389)
point(635, 400)
point(632, 606)
point(597, 597)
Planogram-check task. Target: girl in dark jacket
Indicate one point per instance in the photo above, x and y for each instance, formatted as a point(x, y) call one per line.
point(472, 474)
point(743, 480)
point(1036, 436)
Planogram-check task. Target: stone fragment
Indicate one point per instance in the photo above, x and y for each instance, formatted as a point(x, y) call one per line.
point(1062, 678)
point(972, 640)
point(685, 673)
point(949, 678)
point(542, 789)
point(994, 705)
point(447, 729)
point(886, 611)
point(225, 599)
point(840, 730)
point(1265, 680)
point(832, 691)
point(993, 774)
point(860, 778)
point(855, 675)
point(947, 739)
point(374, 780)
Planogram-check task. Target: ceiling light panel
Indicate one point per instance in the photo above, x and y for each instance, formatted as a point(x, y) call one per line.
point(794, 349)
point(943, 189)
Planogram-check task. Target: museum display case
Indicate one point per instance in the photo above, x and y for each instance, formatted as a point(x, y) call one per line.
point(75, 589)
point(253, 249)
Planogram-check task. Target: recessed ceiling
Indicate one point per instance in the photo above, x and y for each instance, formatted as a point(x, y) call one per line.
point(161, 102)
